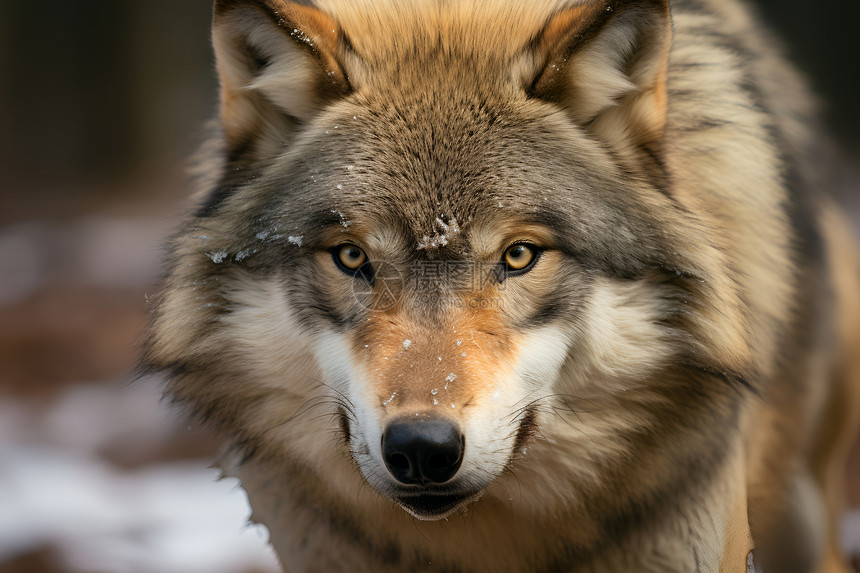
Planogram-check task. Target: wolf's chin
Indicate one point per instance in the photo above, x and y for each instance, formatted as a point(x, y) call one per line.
point(433, 507)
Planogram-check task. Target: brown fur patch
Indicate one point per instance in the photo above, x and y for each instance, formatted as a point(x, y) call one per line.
point(442, 371)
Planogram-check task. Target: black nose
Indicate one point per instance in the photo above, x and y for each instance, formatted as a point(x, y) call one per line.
point(422, 451)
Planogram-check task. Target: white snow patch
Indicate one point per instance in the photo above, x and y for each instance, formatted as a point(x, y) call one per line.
point(56, 492)
point(244, 254)
point(172, 517)
point(295, 240)
point(344, 222)
point(440, 239)
point(217, 257)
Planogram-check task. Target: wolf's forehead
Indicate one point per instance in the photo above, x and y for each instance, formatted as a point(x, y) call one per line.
point(429, 171)
point(437, 173)
point(387, 30)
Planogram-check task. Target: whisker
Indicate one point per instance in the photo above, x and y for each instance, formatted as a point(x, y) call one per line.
point(309, 404)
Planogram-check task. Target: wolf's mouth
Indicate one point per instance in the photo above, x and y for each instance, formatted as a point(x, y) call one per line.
point(433, 506)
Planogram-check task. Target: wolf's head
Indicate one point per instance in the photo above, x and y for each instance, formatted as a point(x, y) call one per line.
point(443, 233)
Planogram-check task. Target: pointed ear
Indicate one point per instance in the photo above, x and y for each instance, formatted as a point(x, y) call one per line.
point(279, 63)
point(605, 62)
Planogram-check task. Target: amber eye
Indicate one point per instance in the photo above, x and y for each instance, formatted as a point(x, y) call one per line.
point(350, 257)
point(519, 256)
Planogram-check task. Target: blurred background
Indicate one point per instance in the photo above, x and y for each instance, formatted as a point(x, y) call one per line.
point(101, 103)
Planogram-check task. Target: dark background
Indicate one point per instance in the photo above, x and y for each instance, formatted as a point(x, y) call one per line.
point(101, 103)
point(97, 98)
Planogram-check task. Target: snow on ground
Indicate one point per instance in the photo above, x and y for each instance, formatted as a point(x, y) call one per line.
point(56, 492)
point(172, 517)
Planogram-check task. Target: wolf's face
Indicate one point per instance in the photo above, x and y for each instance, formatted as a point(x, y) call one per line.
point(444, 285)
point(450, 252)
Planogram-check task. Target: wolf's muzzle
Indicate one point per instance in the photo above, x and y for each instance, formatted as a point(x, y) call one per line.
point(422, 451)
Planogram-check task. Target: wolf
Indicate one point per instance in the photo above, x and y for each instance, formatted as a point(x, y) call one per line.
point(545, 286)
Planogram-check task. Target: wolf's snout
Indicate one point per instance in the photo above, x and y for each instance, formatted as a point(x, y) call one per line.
point(422, 451)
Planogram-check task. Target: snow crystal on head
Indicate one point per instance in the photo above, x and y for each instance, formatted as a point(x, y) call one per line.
point(344, 221)
point(446, 234)
point(217, 257)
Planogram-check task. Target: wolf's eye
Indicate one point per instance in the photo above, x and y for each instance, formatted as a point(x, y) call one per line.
point(349, 257)
point(520, 257)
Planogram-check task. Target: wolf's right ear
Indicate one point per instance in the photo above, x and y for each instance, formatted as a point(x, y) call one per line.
point(279, 63)
point(605, 63)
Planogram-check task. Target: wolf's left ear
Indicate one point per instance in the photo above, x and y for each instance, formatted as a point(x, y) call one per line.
point(605, 62)
point(279, 63)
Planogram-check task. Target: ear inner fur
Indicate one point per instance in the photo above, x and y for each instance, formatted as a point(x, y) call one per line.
point(302, 44)
point(561, 36)
point(619, 97)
